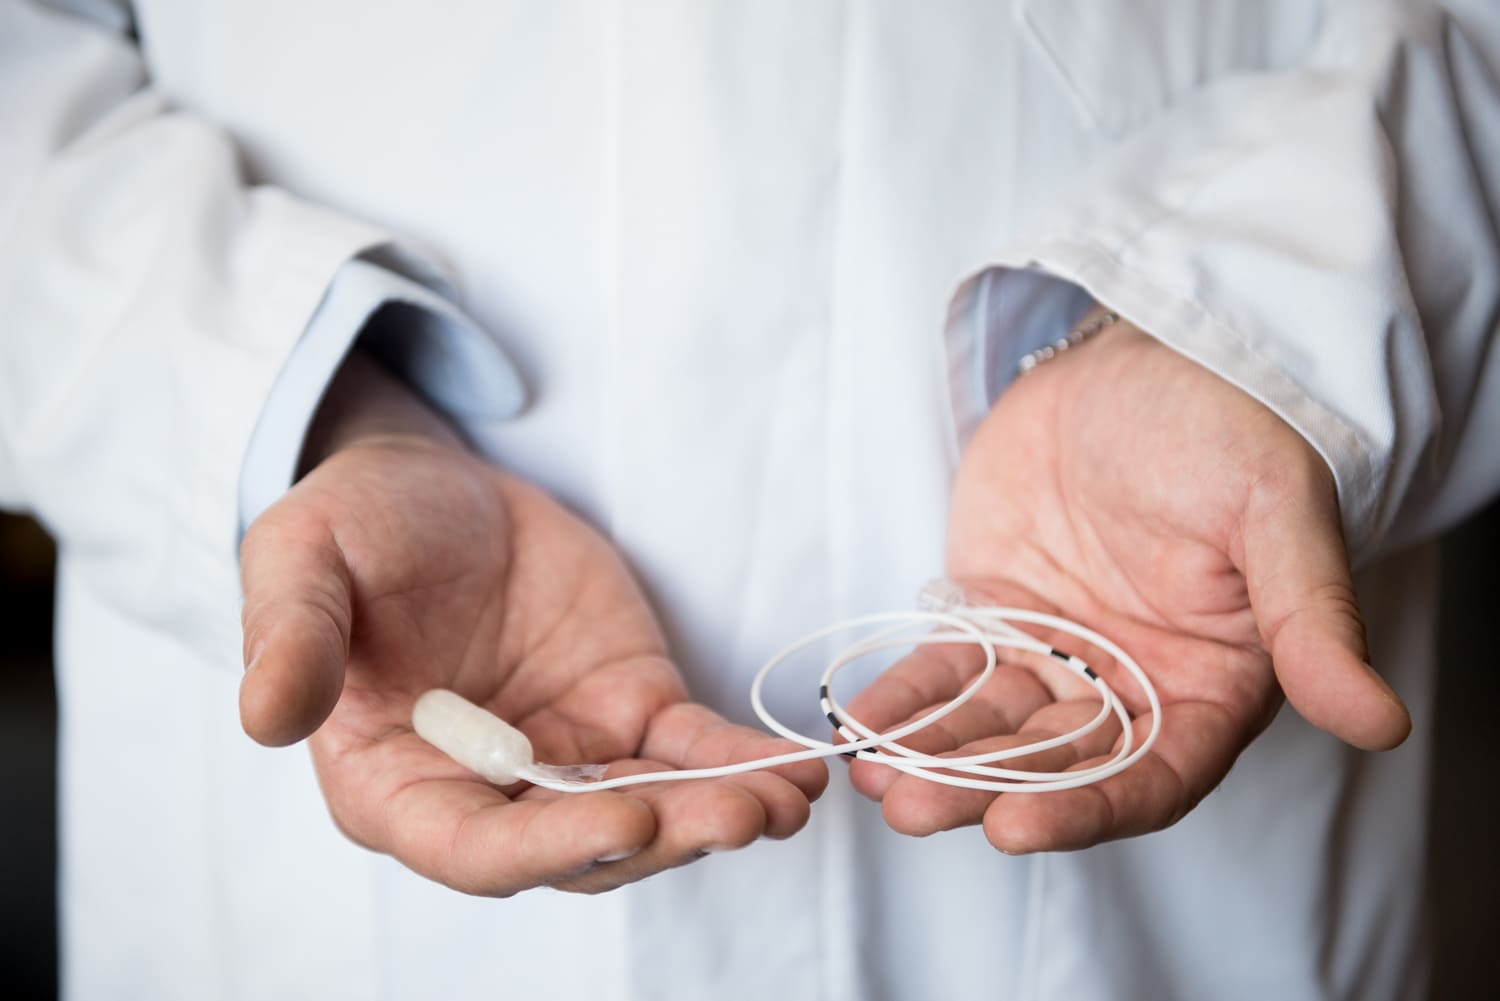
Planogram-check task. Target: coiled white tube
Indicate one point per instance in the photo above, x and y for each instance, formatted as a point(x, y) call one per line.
point(500, 753)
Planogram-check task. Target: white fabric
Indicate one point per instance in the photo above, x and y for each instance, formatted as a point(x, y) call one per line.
point(721, 240)
point(1360, 302)
point(445, 357)
point(150, 297)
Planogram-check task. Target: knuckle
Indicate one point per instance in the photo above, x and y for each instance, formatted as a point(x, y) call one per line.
point(1287, 479)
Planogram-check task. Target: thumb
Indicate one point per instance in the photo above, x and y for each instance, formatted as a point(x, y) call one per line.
point(1302, 595)
point(296, 619)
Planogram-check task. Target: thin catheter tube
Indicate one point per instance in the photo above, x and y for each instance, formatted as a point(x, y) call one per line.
point(816, 748)
point(990, 628)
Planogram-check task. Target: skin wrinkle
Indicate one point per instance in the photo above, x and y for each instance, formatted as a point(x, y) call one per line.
point(460, 833)
point(871, 778)
point(254, 612)
point(395, 792)
point(1096, 659)
point(1181, 800)
point(1081, 527)
point(693, 740)
point(907, 684)
point(268, 713)
point(537, 648)
point(480, 654)
point(574, 641)
point(611, 876)
point(385, 810)
point(1163, 614)
point(1148, 612)
point(612, 744)
point(1000, 719)
point(605, 674)
point(667, 693)
point(1081, 586)
point(1139, 533)
point(521, 836)
point(689, 741)
point(521, 521)
point(1078, 529)
point(1321, 598)
point(528, 606)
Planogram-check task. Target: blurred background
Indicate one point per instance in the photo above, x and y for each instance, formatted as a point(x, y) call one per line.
point(28, 767)
point(1464, 872)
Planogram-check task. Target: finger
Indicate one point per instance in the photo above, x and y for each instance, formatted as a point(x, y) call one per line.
point(1007, 700)
point(468, 836)
point(927, 676)
point(1298, 577)
point(689, 735)
point(1198, 743)
point(693, 819)
point(400, 795)
point(296, 617)
point(916, 806)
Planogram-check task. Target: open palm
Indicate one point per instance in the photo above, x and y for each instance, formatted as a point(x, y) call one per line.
point(399, 565)
point(1125, 487)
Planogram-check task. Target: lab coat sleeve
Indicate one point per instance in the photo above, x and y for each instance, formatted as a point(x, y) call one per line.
point(148, 300)
point(1324, 237)
point(402, 314)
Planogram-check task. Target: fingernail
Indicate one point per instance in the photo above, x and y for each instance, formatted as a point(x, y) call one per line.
point(618, 856)
point(254, 663)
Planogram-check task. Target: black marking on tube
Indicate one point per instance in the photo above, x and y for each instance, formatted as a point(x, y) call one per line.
point(851, 755)
point(822, 691)
point(1058, 653)
point(1090, 672)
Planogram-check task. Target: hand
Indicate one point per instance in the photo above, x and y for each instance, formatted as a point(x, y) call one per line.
point(401, 563)
point(1127, 488)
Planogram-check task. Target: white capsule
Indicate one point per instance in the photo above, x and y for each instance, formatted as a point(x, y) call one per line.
point(474, 737)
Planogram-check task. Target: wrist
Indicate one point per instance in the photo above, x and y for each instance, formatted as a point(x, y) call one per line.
point(365, 403)
point(1095, 322)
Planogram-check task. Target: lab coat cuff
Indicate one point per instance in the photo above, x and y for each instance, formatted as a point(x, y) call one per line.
point(1031, 294)
point(998, 316)
point(396, 308)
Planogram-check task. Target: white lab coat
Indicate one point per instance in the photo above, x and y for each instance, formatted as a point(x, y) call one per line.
point(758, 263)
